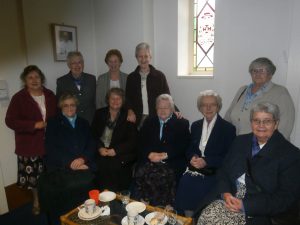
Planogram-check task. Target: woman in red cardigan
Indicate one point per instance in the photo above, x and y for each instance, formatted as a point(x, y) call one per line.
point(27, 114)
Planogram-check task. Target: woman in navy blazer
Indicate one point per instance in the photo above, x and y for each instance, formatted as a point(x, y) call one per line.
point(210, 140)
point(164, 139)
point(69, 160)
point(69, 142)
point(260, 177)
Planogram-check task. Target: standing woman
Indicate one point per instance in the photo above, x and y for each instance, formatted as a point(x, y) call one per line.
point(143, 86)
point(27, 114)
point(113, 78)
point(262, 89)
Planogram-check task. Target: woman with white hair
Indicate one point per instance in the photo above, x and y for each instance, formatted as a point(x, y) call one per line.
point(260, 179)
point(210, 140)
point(143, 86)
point(163, 142)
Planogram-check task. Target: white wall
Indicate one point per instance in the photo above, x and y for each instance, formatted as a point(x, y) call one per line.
point(38, 15)
point(12, 60)
point(245, 30)
point(122, 25)
point(293, 80)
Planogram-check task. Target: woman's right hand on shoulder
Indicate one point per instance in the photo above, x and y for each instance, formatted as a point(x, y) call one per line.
point(131, 116)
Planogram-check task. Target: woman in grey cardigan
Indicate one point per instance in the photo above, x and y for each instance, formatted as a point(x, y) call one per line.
point(262, 89)
point(113, 78)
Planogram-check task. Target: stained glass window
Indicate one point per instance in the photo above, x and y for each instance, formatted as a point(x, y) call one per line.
point(203, 35)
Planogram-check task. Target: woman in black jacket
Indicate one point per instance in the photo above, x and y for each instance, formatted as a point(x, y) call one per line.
point(116, 143)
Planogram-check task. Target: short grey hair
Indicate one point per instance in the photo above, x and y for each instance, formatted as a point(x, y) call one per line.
point(266, 107)
point(73, 54)
point(66, 96)
point(142, 45)
point(166, 97)
point(265, 62)
point(209, 93)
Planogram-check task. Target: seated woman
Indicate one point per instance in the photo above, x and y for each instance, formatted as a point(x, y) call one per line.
point(260, 176)
point(164, 140)
point(69, 160)
point(210, 140)
point(116, 141)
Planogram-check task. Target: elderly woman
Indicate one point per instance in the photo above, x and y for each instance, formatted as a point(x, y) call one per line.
point(69, 142)
point(164, 140)
point(143, 86)
point(69, 160)
point(261, 89)
point(210, 140)
point(27, 115)
point(260, 176)
point(116, 143)
point(81, 84)
point(113, 78)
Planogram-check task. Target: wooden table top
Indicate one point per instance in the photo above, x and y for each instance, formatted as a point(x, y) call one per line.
point(71, 218)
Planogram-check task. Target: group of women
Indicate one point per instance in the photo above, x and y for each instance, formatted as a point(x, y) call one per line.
point(137, 132)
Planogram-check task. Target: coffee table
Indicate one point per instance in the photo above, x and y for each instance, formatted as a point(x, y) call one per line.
point(117, 212)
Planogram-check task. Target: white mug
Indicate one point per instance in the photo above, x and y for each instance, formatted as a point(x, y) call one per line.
point(90, 206)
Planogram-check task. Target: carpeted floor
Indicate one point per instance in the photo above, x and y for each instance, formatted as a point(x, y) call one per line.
point(23, 216)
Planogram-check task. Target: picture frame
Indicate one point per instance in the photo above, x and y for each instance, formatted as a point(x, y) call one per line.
point(64, 40)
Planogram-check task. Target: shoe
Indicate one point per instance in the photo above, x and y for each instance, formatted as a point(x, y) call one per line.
point(36, 210)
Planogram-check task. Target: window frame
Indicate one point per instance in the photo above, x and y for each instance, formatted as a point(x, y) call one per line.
point(186, 42)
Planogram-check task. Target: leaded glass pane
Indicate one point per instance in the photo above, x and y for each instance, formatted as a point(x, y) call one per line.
point(204, 27)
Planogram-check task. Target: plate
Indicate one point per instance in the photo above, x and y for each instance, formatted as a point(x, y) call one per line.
point(151, 215)
point(138, 206)
point(141, 220)
point(107, 196)
point(84, 216)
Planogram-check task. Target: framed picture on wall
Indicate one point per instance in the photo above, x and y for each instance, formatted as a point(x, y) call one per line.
point(64, 39)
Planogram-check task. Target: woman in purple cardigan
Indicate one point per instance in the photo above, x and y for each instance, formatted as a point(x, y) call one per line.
point(27, 114)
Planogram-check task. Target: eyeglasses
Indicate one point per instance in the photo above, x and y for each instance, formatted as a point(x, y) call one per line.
point(208, 105)
point(266, 122)
point(76, 63)
point(69, 106)
point(258, 71)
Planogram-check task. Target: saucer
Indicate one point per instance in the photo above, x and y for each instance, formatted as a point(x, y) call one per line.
point(107, 196)
point(137, 206)
point(82, 214)
point(141, 220)
point(151, 215)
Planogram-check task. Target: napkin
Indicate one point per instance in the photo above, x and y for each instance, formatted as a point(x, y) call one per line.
point(105, 210)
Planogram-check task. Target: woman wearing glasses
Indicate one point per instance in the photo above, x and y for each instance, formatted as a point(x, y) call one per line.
point(164, 139)
point(259, 178)
point(261, 89)
point(69, 160)
point(210, 140)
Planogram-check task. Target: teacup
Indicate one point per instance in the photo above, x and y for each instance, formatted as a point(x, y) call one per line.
point(90, 206)
point(132, 217)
